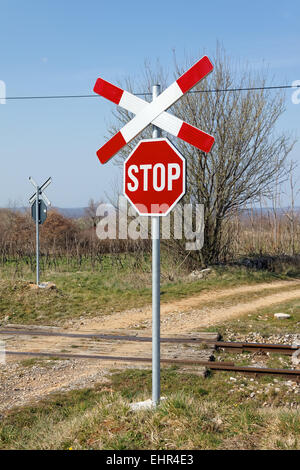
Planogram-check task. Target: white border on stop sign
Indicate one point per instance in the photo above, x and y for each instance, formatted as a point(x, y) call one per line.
point(161, 139)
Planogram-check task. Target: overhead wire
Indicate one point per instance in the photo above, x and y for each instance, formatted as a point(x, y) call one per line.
point(223, 90)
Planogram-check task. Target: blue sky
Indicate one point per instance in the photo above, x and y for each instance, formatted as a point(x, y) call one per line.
point(61, 47)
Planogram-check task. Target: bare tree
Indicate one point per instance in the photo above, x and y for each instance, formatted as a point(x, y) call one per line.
point(248, 156)
point(291, 213)
point(91, 212)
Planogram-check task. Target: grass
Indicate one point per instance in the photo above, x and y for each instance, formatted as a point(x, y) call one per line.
point(271, 360)
point(199, 413)
point(44, 362)
point(269, 329)
point(113, 288)
point(219, 412)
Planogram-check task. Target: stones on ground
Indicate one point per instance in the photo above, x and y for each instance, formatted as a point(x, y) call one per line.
point(200, 274)
point(191, 350)
point(282, 315)
point(255, 337)
point(38, 380)
point(296, 358)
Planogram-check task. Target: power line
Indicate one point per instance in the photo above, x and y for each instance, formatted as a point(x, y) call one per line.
point(49, 97)
point(277, 87)
point(54, 97)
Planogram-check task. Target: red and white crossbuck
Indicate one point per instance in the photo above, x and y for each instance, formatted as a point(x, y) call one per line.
point(154, 112)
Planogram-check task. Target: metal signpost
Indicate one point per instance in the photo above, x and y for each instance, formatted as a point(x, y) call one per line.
point(153, 165)
point(154, 172)
point(155, 234)
point(39, 203)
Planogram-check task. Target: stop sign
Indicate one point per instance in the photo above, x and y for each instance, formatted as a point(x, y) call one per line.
point(154, 177)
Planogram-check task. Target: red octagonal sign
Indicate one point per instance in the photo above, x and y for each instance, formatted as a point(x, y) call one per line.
point(154, 177)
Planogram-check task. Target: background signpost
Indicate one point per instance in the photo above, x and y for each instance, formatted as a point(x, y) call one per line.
point(42, 212)
point(39, 203)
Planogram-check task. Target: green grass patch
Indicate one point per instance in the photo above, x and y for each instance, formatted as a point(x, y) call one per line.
point(198, 414)
point(117, 286)
point(35, 361)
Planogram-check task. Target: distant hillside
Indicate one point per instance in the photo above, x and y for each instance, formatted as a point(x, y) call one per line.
point(78, 212)
point(70, 212)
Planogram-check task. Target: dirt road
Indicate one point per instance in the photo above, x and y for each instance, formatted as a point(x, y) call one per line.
point(21, 384)
point(188, 314)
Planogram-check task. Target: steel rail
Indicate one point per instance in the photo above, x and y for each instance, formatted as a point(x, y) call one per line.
point(110, 358)
point(216, 366)
point(291, 373)
point(231, 346)
point(287, 349)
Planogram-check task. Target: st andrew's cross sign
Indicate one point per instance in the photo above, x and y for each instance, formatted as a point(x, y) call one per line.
point(154, 112)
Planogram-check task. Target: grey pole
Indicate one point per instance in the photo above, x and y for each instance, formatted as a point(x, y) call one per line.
point(38, 220)
point(37, 235)
point(155, 231)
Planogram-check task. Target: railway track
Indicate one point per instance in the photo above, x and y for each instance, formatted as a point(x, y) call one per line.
point(293, 374)
point(285, 349)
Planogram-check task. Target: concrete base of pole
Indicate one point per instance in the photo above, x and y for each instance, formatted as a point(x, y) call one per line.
point(145, 405)
point(43, 285)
